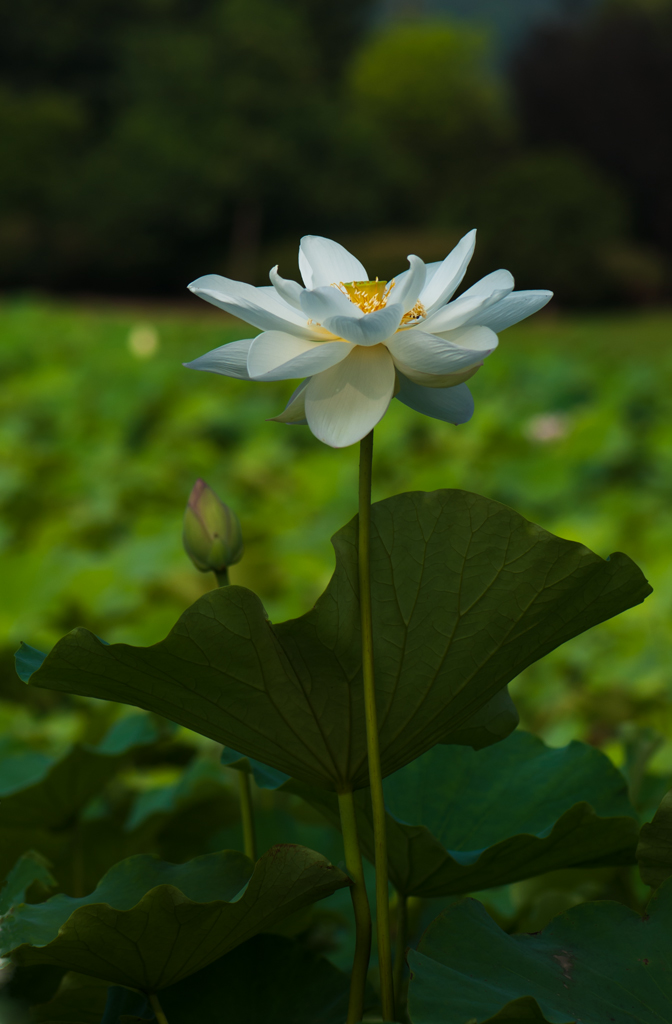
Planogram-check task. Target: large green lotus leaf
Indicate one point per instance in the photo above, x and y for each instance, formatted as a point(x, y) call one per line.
point(149, 924)
point(460, 821)
point(654, 850)
point(598, 962)
point(43, 792)
point(267, 979)
point(466, 594)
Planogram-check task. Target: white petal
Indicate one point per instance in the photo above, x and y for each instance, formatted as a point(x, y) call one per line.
point(452, 405)
point(516, 306)
point(459, 312)
point(498, 280)
point(275, 355)
point(445, 281)
point(294, 412)
point(320, 303)
point(371, 329)
point(323, 262)
point(231, 360)
point(344, 403)
point(261, 307)
point(455, 351)
point(290, 291)
point(405, 292)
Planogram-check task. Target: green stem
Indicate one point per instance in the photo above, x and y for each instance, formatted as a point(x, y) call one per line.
point(372, 741)
point(400, 949)
point(360, 906)
point(156, 1006)
point(246, 815)
point(222, 577)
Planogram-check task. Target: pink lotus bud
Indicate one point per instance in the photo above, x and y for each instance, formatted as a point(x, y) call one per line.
point(212, 536)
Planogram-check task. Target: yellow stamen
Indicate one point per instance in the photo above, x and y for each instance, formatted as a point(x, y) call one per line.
point(417, 313)
point(368, 295)
point(373, 295)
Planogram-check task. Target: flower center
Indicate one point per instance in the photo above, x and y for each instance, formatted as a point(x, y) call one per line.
point(373, 295)
point(368, 295)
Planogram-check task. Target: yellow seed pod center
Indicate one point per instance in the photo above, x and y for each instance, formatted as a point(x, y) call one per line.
point(368, 295)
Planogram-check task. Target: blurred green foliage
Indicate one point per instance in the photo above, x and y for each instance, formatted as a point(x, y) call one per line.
point(104, 434)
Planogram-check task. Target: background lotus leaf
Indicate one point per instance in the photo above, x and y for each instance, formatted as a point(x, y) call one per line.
point(44, 802)
point(41, 791)
point(79, 999)
point(460, 821)
point(149, 924)
point(466, 593)
point(654, 850)
point(30, 867)
point(598, 962)
point(299, 987)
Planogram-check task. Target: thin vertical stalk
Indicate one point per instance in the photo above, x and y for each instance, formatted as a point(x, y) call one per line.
point(246, 815)
point(156, 1006)
point(372, 742)
point(400, 948)
point(360, 905)
point(244, 787)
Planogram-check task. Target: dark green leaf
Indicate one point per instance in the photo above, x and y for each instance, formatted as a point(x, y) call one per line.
point(30, 867)
point(466, 594)
point(149, 924)
point(494, 722)
point(202, 780)
point(460, 821)
point(598, 962)
point(80, 999)
point(298, 987)
point(654, 850)
point(524, 1009)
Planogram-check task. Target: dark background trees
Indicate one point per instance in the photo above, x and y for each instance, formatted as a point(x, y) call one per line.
point(143, 142)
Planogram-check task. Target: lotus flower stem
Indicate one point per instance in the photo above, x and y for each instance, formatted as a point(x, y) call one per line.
point(360, 905)
point(222, 578)
point(246, 815)
point(372, 741)
point(400, 948)
point(156, 1006)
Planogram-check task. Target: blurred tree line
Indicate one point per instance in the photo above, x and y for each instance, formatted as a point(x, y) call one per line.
point(144, 142)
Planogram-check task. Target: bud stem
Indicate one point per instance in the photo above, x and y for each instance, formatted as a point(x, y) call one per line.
point(247, 816)
point(372, 740)
point(222, 577)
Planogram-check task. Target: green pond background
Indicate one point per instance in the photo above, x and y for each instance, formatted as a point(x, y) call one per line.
point(103, 434)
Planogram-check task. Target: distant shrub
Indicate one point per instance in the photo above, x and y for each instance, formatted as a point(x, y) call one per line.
point(557, 222)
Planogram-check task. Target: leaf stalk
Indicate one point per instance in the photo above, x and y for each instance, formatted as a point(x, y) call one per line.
point(400, 948)
point(372, 740)
point(360, 905)
point(247, 816)
point(158, 1011)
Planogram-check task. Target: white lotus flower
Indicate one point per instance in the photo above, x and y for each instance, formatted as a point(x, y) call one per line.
point(360, 343)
